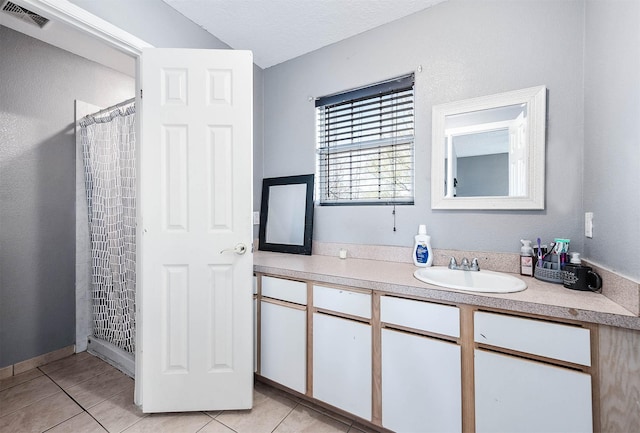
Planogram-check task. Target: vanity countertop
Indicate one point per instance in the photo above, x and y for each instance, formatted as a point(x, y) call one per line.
point(541, 298)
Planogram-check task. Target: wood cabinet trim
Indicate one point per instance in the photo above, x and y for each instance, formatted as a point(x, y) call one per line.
point(467, 368)
point(376, 363)
point(258, 328)
point(420, 332)
point(309, 342)
point(283, 303)
point(595, 376)
point(280, 277)
point(341, 315)
point(342, 287)
point(532, 357)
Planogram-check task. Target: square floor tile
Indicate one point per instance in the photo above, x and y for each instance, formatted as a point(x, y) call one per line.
point(117, 412)
point(269, 409)
point(78, 372)
point(100, 387)
point(185, 422)
point(215, 427)
point(328, 412)
point(41, 415)
point(306, 420)
point(25, 394)
point(76, 359)
point(80, 423)
point(19, 378)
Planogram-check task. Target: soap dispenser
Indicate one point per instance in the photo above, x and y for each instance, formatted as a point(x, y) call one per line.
point(526, 258)
point(422, 252)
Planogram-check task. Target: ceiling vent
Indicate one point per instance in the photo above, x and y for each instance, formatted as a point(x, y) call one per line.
point(24, 14)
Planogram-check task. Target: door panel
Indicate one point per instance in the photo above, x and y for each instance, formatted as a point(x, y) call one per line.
point(195, 329)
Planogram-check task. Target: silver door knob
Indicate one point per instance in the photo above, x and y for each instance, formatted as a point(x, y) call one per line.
point(239, 249)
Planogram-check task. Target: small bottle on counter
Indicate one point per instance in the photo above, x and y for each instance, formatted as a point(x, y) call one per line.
point(422, 252)
point(526, 258)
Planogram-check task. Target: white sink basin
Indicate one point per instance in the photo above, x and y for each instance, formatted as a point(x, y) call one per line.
point(472, 281)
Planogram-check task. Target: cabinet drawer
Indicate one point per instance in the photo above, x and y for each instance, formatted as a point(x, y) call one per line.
point(342, 301)
point(425, 316)
point(552, 340)
point(285, 290)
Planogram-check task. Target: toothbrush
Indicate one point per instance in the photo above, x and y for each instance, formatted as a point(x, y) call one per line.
point(550, 250)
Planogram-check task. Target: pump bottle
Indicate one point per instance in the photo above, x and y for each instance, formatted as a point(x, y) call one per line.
point(422, 252)
point(526, 258)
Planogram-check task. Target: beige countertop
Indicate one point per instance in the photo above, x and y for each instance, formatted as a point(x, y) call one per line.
point(541, 298)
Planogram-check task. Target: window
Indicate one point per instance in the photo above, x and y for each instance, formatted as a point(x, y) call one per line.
point(365, 145)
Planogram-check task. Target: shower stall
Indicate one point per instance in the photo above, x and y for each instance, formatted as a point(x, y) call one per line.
point(106, 252)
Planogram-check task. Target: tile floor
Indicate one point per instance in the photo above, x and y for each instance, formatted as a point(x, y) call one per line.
point(84, 394)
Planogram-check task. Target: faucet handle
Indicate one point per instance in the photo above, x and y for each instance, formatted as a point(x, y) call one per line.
point(452, 263)
point(474, 264)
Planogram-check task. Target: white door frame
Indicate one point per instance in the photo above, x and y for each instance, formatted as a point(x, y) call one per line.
point(65, 12)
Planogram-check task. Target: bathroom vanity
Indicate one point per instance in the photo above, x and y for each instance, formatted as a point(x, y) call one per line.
point(366, 339)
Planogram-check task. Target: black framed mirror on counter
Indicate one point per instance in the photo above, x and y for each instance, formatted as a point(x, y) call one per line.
point(286, 214)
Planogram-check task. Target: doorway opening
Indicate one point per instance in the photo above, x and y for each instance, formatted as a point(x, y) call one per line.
point(107, 142)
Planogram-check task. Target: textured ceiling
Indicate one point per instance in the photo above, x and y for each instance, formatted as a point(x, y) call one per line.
point(279, 30)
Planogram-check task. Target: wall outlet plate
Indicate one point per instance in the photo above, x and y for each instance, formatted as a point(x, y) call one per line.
point(588, 224)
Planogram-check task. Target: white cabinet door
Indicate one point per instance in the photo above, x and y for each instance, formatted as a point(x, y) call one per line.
point(517, 395)
point(552, 340)
point(342, 364)
point(421, 384)
point(285, 290)
point(283, 345)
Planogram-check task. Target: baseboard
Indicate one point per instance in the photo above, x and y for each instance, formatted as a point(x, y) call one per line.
point(30, 364)
point(123, 361)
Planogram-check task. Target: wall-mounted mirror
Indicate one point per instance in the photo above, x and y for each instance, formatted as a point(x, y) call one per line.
point(488, 152)
point(286, 214)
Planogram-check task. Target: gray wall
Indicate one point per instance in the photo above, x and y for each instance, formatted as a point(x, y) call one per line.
point(612, 133)
point(466, 49)
point(37, 188)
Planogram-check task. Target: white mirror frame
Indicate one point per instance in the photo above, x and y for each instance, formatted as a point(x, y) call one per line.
point(536, 100)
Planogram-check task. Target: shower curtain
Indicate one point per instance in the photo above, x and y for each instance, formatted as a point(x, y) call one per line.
point(108, 146)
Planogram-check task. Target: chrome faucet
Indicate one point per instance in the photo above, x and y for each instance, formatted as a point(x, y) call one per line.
point(464, 266)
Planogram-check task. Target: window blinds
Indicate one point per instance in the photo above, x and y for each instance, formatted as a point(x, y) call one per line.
point(365, 145)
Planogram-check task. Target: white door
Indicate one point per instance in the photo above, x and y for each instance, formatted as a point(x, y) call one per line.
point(194, 320)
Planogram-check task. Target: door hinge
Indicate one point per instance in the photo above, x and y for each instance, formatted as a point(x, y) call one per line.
point(140, 93)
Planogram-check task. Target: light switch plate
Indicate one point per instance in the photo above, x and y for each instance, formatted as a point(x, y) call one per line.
point(588, 224)
point(256, 218)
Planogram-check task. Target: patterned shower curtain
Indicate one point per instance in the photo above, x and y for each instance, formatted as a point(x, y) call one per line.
point(108, 145)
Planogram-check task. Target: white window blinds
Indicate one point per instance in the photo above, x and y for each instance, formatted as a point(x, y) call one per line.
point(365, 145)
